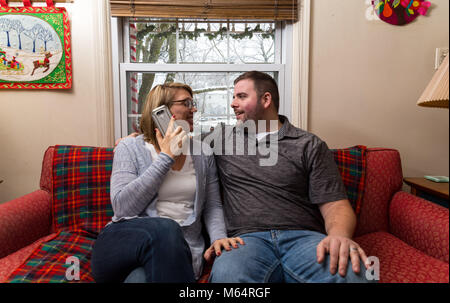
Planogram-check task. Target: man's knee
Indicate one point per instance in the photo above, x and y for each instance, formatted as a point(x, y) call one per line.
point(353, 277)
point(225, 267)
point(227, 270)
point(238, 265)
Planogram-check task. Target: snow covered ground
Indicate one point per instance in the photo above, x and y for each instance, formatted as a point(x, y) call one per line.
point(26, 59)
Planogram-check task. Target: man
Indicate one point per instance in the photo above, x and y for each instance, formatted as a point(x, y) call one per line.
point(290, 215)
point(293, 217)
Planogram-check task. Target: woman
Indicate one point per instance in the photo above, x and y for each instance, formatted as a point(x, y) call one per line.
point(159, 194)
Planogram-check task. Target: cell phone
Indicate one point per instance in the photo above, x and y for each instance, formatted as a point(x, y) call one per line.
point(161, 115)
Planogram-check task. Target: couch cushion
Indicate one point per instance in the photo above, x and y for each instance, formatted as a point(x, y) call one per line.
point(401, 263)
point(81, 182)
point(420, 223)
point(10, 263)
point(47, 264)
point(24, 220)
point(352, 166)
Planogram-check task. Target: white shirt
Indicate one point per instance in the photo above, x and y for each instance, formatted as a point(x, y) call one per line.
point(260, 136)
point(177, 192)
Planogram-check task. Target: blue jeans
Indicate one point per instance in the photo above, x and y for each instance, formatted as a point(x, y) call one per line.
point(156, 245)
point(278, 256)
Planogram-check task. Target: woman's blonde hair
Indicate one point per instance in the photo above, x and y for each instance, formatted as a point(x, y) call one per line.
point(161, 94)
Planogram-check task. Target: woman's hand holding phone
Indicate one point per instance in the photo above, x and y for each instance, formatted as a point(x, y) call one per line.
point(174, 141)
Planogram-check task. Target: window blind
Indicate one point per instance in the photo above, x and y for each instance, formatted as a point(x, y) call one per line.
point(207, 9)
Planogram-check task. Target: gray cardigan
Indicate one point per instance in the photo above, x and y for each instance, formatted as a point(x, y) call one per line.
point(135, 181)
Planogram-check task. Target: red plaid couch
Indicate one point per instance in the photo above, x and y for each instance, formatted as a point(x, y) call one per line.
point(41, 232)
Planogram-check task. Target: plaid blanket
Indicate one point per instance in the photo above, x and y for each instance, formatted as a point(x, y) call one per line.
point(81, 194)
point(81, 208)
point(352, 166)
point(65, 258)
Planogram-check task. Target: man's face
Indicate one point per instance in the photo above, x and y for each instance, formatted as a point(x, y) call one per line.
point(246, 104)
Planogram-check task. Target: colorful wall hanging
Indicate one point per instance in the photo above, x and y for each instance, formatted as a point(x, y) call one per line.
point(400, 12)
point(35, 51)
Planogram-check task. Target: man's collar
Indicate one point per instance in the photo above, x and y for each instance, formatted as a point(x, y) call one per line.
point(287, 129)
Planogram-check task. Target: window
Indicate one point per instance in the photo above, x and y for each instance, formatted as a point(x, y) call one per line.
point(207, 55)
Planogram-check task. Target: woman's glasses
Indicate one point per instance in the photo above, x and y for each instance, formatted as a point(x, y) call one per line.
point(188, 102)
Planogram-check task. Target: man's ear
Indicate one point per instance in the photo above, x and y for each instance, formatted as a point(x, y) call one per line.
point(266, 100)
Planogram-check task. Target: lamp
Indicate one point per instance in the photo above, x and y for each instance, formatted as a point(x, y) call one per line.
point(436, 93)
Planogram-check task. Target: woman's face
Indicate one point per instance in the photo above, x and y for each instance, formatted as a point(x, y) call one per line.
point(180, 110)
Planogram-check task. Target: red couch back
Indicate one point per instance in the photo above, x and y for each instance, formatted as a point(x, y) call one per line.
point(46, 172)
point(383, 180)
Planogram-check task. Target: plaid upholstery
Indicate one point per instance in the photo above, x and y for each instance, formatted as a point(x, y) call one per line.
point(81, 194)
point(352, 166)
point(47, 264)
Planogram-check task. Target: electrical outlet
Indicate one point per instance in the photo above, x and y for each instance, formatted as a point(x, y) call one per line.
point(441, 53)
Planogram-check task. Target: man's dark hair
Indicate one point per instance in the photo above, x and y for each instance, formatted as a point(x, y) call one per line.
point(263, 83)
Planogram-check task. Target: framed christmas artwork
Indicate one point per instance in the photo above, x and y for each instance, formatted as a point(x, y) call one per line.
point(35, 51)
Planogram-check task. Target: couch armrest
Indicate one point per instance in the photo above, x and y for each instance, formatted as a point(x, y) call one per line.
point(24, 220)
point(420, 223)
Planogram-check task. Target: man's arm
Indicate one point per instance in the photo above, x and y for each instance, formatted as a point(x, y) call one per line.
point(133, 135)
point(340, 223)
point(339, 218)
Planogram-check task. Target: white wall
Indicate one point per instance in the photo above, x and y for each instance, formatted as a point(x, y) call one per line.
point(365, 80)
point(32, 120)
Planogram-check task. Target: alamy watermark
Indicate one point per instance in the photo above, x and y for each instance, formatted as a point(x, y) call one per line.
point(373, 272)
point(73, 271)
point(239, 139)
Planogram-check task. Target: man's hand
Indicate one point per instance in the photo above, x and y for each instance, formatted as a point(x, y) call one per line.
point(340, 222)
point(120, 139)
point(340, 248)
point(216, 248)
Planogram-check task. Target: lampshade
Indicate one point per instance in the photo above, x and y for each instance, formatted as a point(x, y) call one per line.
point(436, 93)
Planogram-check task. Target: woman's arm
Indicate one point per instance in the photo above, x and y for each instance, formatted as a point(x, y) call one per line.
point(213, 212)
point(214, 218)
point(131, 193)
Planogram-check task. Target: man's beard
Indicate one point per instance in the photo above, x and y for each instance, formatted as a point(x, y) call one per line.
point(255, 115)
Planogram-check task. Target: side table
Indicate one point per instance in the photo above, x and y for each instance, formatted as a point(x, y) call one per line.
point(433, 191)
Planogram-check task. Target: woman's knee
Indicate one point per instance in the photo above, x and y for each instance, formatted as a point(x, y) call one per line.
point(136, 276)
point(168, 225)
point(169, 229)
point(164, 234)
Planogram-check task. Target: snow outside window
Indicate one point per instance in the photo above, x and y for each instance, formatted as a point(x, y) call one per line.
point(207, 55)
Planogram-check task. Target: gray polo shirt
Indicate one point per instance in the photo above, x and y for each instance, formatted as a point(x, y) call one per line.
point(284, 196)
